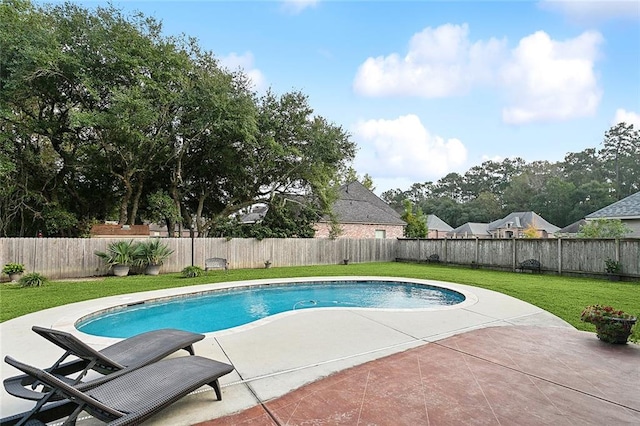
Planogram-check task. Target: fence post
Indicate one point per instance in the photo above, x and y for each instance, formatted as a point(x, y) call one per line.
point(513, 260)
point(559, 256)
point(445, 249)
point(477, 256)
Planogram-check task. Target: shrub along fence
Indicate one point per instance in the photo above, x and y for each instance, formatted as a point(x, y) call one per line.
point(74, 257)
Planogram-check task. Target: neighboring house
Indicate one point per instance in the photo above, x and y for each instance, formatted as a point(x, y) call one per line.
point(255, 215)
point(627, 210)
point(571, 230)
point(362, 214)
point(437, 227)
point(158, 230)
point(114, 230)
point(470, 230)
point(515, 224)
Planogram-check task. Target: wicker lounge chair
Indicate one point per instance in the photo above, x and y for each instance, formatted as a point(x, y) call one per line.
point(130, 353)
point(129, 398)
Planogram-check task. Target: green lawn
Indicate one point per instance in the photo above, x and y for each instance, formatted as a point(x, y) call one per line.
point(562, 296)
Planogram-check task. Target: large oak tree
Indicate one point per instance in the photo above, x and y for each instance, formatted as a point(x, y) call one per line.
point(101, 116)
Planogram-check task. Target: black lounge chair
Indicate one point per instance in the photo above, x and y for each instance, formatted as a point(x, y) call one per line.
point(131, 397)
point(131, 353)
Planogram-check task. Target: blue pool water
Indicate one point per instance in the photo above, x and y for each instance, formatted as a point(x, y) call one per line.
point(223, 309)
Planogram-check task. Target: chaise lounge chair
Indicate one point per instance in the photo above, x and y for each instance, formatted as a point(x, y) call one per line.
point(131, 397)
point(131, 353)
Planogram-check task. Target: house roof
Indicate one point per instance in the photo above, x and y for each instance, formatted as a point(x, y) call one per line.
point(627, 208)
point(471, 229)
point(437, 224)
point(356, 204)
point(523, 220)
point(574, 228)
point(256, 214)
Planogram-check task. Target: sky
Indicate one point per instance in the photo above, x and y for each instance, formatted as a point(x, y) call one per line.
point(426, 88)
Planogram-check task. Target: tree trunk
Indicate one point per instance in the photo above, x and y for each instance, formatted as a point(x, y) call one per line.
point(174, 192)
point(124, 204)
point(136, 202)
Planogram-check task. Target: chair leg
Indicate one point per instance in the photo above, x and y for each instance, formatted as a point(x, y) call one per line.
point(190, 349)
point(216, 387)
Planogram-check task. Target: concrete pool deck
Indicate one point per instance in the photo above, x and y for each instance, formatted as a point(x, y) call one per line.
point(277, 355)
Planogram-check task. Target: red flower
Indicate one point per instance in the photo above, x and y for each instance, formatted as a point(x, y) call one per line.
point(595, 314)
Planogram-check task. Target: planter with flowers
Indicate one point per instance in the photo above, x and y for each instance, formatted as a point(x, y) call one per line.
point(14, 270)
point(612, 326)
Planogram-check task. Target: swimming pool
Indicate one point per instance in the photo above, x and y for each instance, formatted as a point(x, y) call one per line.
point(228, 308)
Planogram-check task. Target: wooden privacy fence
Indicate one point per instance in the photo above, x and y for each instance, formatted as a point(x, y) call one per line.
point(564, 256)
point(75, 258)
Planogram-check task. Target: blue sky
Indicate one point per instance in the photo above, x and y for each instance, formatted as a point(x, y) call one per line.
point(431, 87)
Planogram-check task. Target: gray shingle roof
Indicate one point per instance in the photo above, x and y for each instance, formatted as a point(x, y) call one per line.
point(523, 220)
point(356, 204)
point(437, 224)
point(471, 229)
point(573, 228)
point(627, 208)
point(256, 214)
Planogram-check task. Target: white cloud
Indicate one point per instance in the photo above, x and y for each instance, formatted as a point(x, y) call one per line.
point(629, 117)
point(440, 62)
point(542, 79)
point(590, 11)
point(548, 80)
point(233, 62)
point(296, 6)
point(404, 149)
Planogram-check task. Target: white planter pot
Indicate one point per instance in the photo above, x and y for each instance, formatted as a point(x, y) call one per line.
point(120, 270)
point(152, 270)
point(15, 277)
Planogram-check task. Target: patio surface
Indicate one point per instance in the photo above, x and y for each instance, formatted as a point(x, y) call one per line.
point(491, 360)
point(493, 376)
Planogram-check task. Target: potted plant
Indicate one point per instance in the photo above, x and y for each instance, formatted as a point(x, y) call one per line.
point(151, 254)
point(267, 264)
point(120, 255)
point(14, 270)
point(612, 325)
point(612, 268)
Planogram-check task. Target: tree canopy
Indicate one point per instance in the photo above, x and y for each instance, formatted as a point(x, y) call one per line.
point(604, 228)
point(416, 222)
point(562, 192)
point(102, 117)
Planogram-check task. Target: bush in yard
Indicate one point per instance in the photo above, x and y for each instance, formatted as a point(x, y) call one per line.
point(192, 271)
point(33, 279)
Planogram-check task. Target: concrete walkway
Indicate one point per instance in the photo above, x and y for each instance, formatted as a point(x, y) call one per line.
point(282, 353)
